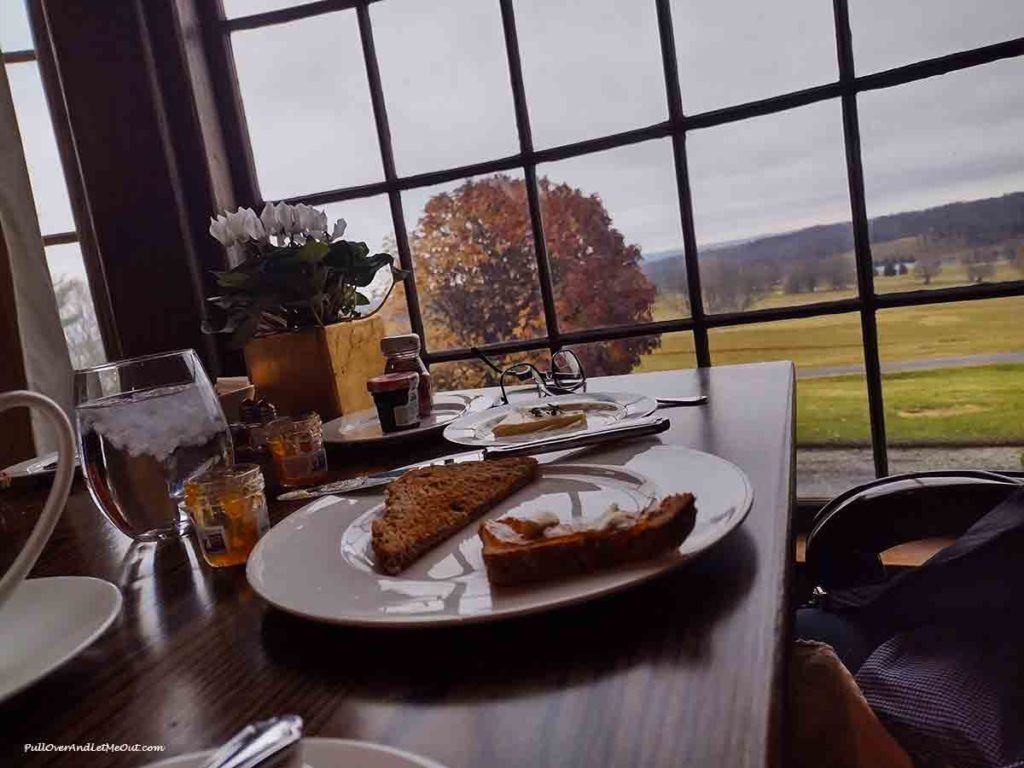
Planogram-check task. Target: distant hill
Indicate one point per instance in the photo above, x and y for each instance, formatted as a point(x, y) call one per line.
point(977, 223)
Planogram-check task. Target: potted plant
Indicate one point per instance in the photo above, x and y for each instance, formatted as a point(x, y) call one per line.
point(295, 304)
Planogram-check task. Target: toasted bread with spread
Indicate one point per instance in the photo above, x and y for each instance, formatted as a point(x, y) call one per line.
point(523, 550)
point(427, 505)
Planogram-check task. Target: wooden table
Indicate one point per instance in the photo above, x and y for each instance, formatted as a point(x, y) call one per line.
point(685, 670)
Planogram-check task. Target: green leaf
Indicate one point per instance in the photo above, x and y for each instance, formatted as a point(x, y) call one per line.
point(361, 300)
point(234, 280)
point(313, 251)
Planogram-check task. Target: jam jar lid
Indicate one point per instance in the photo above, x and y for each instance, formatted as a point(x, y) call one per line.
point(392, 382)
point(404, 343)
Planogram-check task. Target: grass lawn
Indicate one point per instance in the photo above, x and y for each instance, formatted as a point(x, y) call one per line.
point(960, 406)
point(911, 333)
point(971, 405)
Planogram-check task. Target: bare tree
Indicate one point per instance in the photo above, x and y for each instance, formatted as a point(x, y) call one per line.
point(927, 266)
point(78, 318)
point(979, 265)
point(729, 286)
point(1015, 256)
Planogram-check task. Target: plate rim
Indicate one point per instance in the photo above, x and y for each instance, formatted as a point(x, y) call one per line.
point(648, 406)
point(472, 401)
point(92, 637)
point(422, 760)
point(406, 623)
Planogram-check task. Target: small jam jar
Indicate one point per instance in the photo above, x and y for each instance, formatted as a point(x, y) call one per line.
point(298, 451)
point(228, 511)
point(402, 355)
point(397, 400)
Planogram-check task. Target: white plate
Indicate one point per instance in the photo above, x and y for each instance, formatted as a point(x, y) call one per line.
point(603, 409)
point(364, 426)
point(49, 621)
point(326, 753)
point(317, 563)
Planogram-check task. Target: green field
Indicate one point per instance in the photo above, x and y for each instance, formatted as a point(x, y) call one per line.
point(967, 405)
point(981, 405)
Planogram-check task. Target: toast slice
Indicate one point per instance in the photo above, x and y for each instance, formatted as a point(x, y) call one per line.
point(519, 551)
point(425, 506)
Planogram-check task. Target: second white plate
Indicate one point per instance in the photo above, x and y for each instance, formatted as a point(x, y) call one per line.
point(364, 426)
point(603, 409)
point(317, 562)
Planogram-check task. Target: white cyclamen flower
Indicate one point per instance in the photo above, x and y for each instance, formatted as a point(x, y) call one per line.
point(271, 224)
point(339, 229)
point(236, 224)
point(286, 218)
point(219, 229)
point(253, 226)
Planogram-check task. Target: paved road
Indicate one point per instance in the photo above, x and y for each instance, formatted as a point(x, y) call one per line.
point(914, 365)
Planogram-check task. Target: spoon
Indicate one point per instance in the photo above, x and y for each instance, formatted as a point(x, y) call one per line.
point(257, 742)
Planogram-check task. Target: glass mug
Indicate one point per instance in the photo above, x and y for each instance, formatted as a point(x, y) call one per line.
point(145, 427)
point(59, 491)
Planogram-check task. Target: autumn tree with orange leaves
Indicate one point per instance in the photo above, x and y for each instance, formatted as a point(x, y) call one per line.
point(477, 274)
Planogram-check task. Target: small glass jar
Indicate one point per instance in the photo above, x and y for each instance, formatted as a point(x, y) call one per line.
point(228, 511)
point(395, 395)
point(402, 355)
point(298, 451)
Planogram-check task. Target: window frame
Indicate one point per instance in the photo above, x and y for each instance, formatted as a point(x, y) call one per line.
point(42, 55)
point(845, 90)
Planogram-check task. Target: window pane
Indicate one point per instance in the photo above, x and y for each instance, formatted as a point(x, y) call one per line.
point(476, 269)
point(369, 221)
point(889, 33)
point(944, 174)
point(952, 385)
point(445, 78)
point(657, 352)
point(772, 211)
point(234, 8)
point(833, 429)
point(472, 374)
point(614, 240)
point(733, 51)
point(41, 155)
point(15, 32)
point(590, 68)
point(307, 104)
point(74, 302)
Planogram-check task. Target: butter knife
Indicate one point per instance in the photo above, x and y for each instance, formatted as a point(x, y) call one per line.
point(638, 428)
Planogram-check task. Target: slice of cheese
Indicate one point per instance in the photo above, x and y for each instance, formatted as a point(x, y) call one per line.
point(524, 422)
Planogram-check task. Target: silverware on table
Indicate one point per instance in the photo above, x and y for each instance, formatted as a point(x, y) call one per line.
point(676, 402)
point(638, 428)
point(257, 742)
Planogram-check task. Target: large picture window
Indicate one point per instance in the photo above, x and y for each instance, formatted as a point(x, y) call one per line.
point(668, 183)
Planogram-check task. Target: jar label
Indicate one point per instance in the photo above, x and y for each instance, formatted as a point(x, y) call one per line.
point(408, 414)
point(213, 540)
point(304, 464)
point(262, 518)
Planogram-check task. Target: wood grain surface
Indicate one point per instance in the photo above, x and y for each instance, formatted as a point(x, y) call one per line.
point(685, 670)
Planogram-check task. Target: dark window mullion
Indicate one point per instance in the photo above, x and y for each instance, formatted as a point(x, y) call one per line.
point(387, 155)
point(861, 237)
point(515, 71)
point(675, 111)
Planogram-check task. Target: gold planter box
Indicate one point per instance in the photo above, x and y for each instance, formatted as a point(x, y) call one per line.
point(318, 369)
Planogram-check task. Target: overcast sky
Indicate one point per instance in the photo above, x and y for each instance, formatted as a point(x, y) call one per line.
point(593, 67)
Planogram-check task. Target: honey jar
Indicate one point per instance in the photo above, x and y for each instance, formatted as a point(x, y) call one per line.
point(228, 511)
point(298, 451)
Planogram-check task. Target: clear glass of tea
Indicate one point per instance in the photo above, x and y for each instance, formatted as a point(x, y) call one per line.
point(145, 427)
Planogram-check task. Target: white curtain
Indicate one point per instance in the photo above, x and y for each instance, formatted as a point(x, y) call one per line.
point(45, 353)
